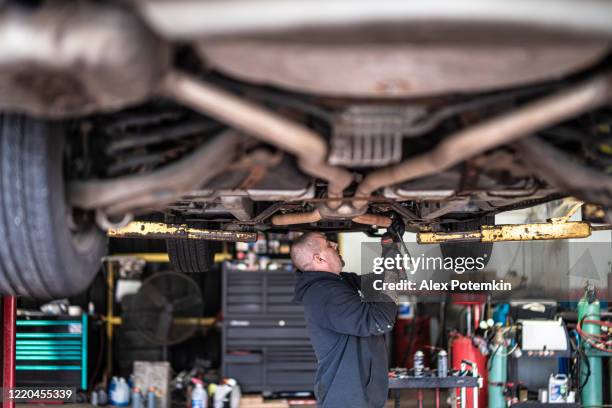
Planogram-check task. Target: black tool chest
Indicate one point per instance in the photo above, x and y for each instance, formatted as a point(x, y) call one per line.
point(265, 340)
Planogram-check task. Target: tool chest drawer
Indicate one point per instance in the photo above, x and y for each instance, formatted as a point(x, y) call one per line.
point(51, 350)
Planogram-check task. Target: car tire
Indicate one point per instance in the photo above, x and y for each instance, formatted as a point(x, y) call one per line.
point(473, 250)
point(191, 255)
point(44, 253)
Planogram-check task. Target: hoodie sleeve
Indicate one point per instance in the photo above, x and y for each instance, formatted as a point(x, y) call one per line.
point(390, 249)
point(393, 275)
point(347, 313)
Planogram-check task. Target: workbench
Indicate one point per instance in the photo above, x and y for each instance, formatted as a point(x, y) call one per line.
point(429, 382)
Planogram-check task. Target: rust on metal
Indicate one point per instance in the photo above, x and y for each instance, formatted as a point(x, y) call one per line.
point(534, 232)
point(297, 218)
point(440, 237)
point(568, 208)
point(160, 230)
point(373, 219)
point(593, 213)
point(261, 123)
point(499, 130)
point(511, 232)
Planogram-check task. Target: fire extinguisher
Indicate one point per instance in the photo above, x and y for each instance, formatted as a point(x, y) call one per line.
point(463, 349)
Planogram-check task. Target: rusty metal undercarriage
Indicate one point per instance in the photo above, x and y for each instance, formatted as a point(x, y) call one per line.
point(555, 228)
point(359, 197)
point(296, 129)
point(487, 233)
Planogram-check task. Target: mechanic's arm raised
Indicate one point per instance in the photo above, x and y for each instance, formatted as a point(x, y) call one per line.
point(348, 313)
point(390, 242)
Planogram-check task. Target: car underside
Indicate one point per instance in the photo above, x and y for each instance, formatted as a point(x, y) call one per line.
point(249, 116)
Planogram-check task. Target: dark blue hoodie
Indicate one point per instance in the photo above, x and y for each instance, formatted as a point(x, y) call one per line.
point(347, 333)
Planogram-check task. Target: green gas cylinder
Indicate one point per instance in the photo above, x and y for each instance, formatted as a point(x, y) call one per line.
point(588, 309)
point(498, 370)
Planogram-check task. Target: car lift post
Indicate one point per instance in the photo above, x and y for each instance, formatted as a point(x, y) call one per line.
point(8, 348)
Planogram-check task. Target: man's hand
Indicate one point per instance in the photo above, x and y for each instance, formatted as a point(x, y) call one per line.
point(395, 232)
point(390, 242)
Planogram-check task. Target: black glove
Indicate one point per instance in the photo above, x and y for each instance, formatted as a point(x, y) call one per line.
point(395, 231)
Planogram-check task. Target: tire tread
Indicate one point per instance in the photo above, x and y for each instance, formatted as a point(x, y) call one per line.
point(38, 258)
point(190, 255)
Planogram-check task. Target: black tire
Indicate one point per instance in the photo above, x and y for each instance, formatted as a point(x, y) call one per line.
point(191, 255)
point(43, 254)
point(468, 249)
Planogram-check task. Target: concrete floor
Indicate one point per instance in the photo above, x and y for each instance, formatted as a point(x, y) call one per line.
point(408, 400)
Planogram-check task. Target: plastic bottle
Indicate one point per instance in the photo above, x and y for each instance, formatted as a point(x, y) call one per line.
point(557, 388)
point(222, 393)
point(235, 395)
point(151, 398)
point(227, 394)
point(122, 393)
point(199, 398)
point(102, 397)
point(112, 391)
point(136, 398)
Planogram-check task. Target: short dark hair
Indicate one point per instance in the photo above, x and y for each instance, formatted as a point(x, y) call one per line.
point(303, 248)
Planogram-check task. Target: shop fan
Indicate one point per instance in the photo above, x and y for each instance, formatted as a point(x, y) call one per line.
point(165, 306)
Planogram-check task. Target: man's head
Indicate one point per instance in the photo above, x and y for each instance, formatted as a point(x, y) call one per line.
point(313, 252)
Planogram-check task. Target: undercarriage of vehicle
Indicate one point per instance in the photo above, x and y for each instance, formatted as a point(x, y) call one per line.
point(241, 117)
point(345, 167)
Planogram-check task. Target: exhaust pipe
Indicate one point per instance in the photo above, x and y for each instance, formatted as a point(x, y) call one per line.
point(309, 147)
point(492, 133)
point(297, 218)
point(153, 190)
point(373, 219)
point(315, 216)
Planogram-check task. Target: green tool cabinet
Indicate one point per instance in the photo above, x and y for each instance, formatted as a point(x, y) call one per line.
point(52, 350)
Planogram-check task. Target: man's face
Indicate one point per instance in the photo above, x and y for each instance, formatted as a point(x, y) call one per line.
point(328, 258)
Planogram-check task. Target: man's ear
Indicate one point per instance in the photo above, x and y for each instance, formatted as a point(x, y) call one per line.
point(317, 258)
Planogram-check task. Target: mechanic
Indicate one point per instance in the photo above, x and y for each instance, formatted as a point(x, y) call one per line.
point(346, 321)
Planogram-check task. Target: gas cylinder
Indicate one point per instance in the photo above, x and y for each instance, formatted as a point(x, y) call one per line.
point(589, 309)
point(498, 370)
point(463, 349)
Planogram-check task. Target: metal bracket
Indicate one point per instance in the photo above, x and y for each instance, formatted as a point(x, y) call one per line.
point(557, 228)
point(511, 232)
point(570, 205)
point(160, 230)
